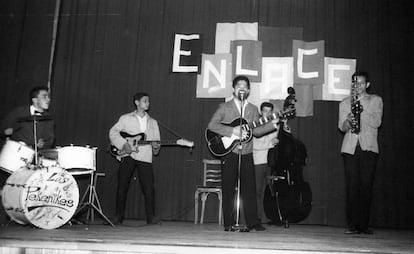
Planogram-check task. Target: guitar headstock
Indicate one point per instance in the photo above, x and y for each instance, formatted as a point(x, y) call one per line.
point(184, 142)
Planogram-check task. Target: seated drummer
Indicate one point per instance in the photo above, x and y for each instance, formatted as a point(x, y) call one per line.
point(18, 124)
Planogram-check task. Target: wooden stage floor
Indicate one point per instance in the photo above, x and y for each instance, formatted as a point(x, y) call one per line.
point(185, 237)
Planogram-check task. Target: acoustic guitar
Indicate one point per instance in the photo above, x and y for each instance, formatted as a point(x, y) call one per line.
point(221, 145)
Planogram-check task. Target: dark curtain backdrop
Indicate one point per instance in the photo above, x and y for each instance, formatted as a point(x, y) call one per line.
point(107, 50)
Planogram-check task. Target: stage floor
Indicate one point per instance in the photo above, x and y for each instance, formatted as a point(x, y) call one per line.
point(185, 237)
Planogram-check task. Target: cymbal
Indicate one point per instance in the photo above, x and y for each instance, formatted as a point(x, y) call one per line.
point(33, 118)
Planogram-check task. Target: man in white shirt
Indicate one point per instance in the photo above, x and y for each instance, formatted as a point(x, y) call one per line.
point(123, 136)
point(359, 151)
point(261, 147)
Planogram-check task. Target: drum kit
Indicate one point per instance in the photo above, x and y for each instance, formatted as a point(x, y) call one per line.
point(41, 189)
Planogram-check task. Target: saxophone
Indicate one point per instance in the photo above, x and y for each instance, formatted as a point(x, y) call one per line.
point(356, 107)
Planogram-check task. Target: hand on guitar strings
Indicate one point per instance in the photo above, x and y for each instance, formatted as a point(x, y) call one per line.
point(244, 133)
point(126, 148)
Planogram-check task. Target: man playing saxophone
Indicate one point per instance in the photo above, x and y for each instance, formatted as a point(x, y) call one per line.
point(360, 116)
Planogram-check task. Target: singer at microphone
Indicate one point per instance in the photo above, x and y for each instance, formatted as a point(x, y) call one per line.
point(225, 122)
point(242, 95)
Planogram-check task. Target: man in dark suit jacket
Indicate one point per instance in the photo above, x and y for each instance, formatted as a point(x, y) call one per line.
point(226, 113)
point(18, 124)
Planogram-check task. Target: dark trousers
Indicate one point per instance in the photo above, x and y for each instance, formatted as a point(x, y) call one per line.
point(359, 177)
point(262, 171)
point(247, 189)
point(146, 180)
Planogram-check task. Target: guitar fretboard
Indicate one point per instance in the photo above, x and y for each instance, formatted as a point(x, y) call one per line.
point(164, 142)
point(260, 122)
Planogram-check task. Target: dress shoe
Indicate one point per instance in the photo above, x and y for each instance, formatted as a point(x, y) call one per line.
point(257, 227)
point(366, 231)
point(228, 228)
point(154, 221)
point(351, 231)
point(235, 228)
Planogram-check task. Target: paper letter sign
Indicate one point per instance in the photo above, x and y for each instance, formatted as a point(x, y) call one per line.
point(309, 62)
point(277, 76)
point(215, 78)
point(186, 60)
point(247, 59)
point(338, 73)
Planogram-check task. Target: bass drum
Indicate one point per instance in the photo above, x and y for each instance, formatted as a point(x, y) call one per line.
point(46, 197)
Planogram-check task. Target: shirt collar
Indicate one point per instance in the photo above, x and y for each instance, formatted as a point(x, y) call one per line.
point(33, 110)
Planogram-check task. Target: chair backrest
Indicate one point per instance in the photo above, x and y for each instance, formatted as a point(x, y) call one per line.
point(212, 172)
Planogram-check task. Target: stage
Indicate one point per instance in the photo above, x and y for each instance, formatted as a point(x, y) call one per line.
point(185, 237)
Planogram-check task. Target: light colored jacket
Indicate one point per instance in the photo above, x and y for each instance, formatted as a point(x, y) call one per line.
point(371, 118)
point(129, 123)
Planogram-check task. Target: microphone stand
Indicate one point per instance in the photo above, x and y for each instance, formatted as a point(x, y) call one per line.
point(237, 227)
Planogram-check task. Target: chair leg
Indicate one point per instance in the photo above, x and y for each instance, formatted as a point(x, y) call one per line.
point(203, 205)
point(196, 200)
point(220, 197)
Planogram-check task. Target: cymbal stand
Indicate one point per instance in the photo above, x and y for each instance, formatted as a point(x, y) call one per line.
point(93, 204)
point(35, 140)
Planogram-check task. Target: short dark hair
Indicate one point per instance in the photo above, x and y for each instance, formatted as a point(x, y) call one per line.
point(138, 96)
point(266, 104)
point(361, 74)
point(238, 78)
point(34, 92)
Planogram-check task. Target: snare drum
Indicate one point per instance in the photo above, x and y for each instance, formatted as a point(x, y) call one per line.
point(46, 197)
point(77, 159)
point(48, 157)
point(15, 155)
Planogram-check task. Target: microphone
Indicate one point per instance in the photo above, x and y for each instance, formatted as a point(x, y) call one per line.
point(242, 95)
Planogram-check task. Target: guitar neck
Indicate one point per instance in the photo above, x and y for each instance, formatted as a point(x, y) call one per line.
point(262, 121)
point(163, 143)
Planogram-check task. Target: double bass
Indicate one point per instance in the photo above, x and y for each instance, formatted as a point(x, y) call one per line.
point(288, 197)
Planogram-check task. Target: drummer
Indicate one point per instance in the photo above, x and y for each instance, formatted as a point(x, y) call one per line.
point(18, 124)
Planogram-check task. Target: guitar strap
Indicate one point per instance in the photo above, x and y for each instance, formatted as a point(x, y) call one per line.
point(170, 130)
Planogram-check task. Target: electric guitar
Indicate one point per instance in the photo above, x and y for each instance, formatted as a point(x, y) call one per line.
point(140, 139)
point(221, 145)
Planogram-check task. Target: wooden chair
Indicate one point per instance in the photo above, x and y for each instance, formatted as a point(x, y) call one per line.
point(211, 184)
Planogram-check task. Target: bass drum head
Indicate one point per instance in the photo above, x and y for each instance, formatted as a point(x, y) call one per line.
point(47, 197)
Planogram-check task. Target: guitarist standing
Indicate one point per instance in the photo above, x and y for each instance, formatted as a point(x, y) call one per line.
point(139, 158)
point(226, 113)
